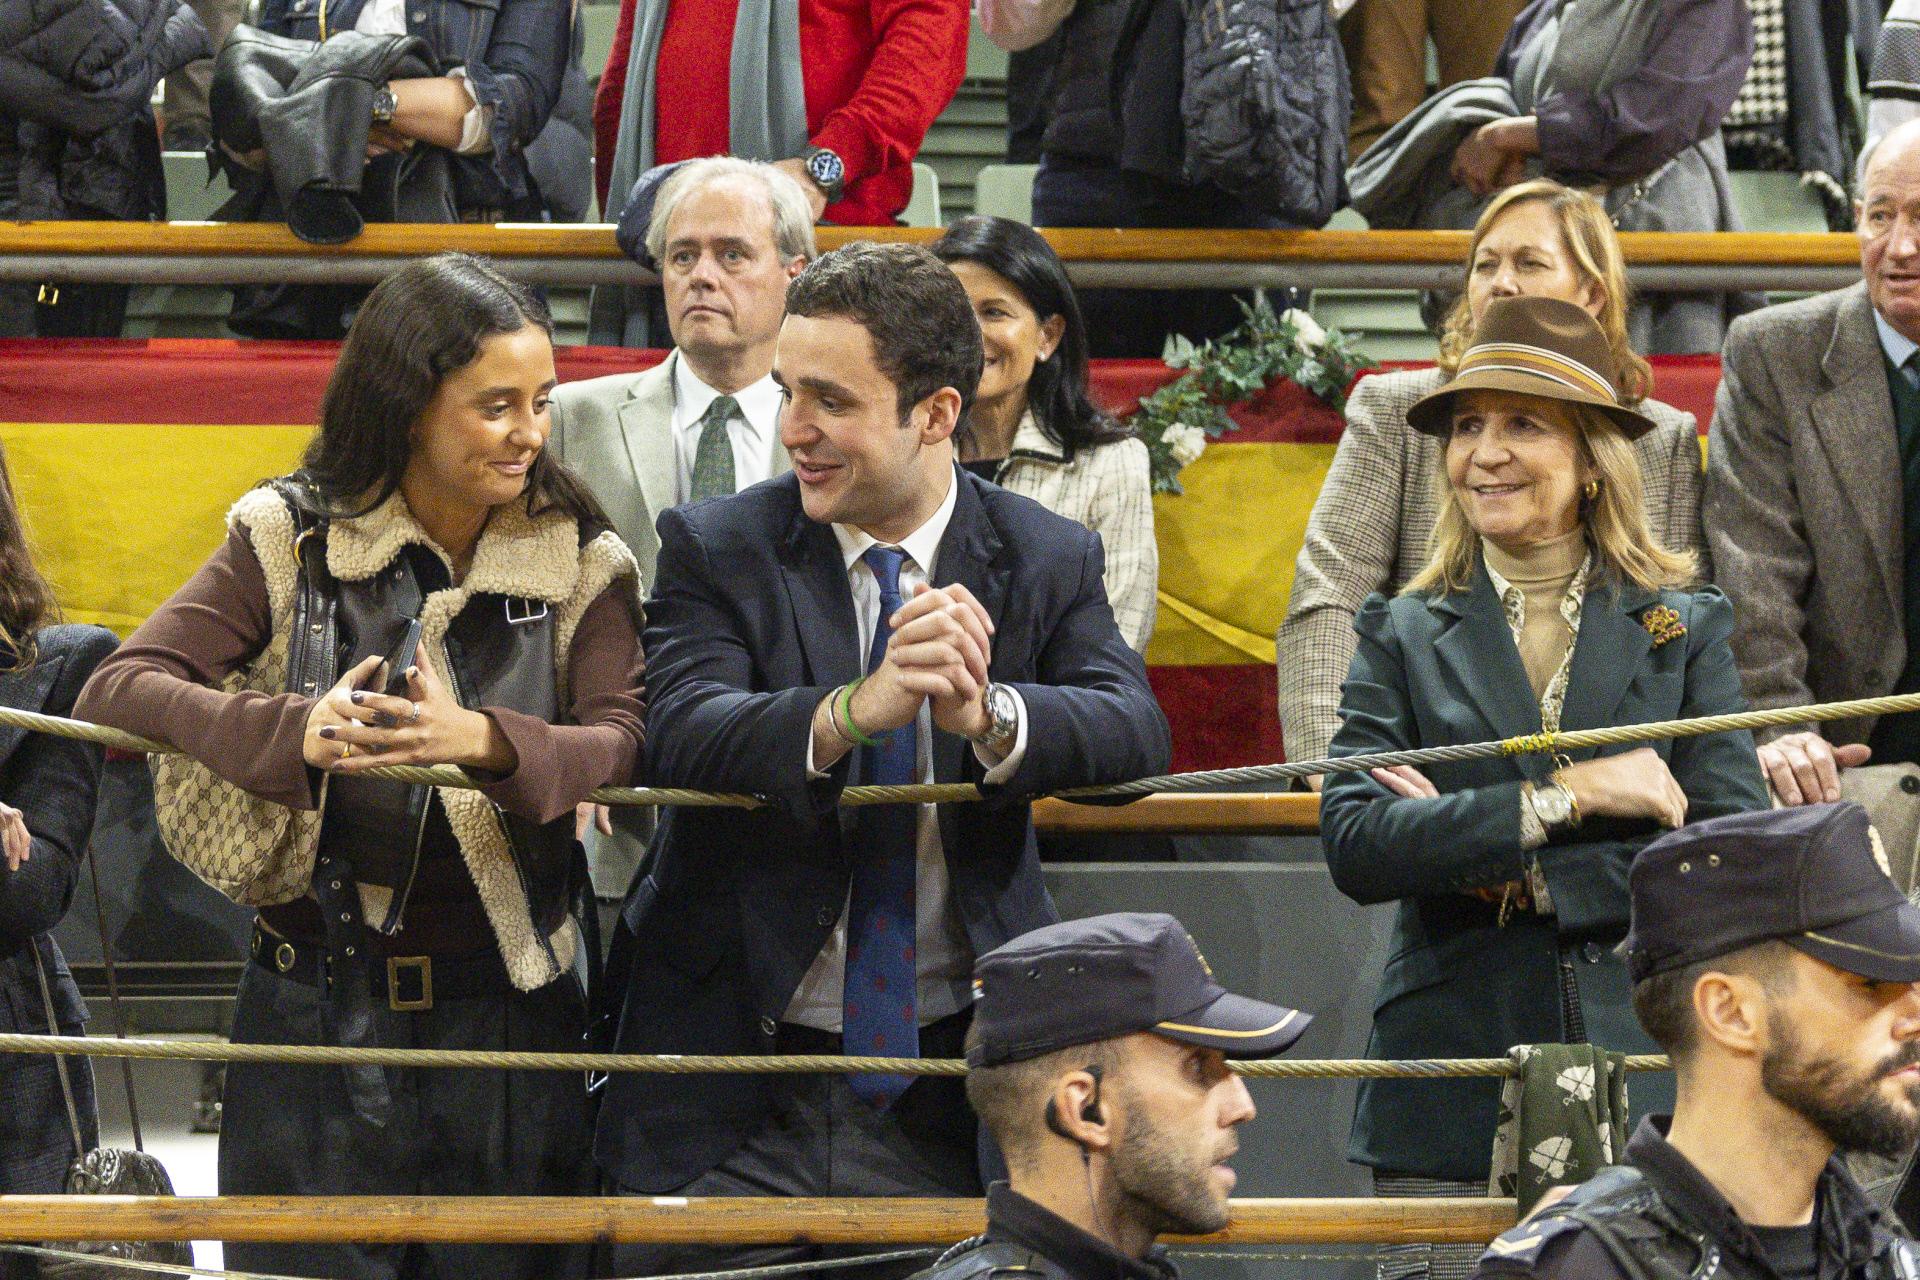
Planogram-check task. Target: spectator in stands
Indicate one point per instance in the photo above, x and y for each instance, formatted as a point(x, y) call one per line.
point(1547, 604)
point(48, 787)
point(437, 148)
point(78, 139)
point(1032, 429)
point(183, 106)
point(412, 916)
point(728, 235)
point(1106, 1040)
point(504, 62)
point(1893, 84)
point(1371, 523)
point(838, 94)
point(990, 655)
point(1386, 46)
point(1780, 969)
point(1812, 508)
point(1113, 151)
point(1625, 96)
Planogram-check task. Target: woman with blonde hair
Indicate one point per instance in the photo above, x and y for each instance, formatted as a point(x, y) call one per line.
point(1547, 604)
point(1370, 525)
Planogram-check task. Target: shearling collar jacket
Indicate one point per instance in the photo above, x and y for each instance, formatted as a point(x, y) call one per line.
point(539, 560)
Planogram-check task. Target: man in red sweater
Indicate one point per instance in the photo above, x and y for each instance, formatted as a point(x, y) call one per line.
point(875, 73)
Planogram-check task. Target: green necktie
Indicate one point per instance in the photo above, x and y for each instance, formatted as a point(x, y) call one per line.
point(713, 456)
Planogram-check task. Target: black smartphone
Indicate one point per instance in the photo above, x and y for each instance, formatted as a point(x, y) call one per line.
point(400, 660)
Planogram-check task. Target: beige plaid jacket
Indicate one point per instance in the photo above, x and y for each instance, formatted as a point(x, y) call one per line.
point(1371, 523)
point(1109, 489)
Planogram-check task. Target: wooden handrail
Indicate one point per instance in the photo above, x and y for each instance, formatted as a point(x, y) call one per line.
point(676, 1220)
point(595, 242)
point(1275, 814)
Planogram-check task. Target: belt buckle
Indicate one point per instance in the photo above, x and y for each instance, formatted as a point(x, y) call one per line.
point(422, 965)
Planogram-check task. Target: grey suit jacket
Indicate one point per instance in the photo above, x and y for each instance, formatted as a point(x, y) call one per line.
point(1803, 506)
point(617, 433)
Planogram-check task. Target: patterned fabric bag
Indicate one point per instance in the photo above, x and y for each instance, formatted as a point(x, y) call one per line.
point(254, 851)
point(105, 1171)
point(1563, 1118)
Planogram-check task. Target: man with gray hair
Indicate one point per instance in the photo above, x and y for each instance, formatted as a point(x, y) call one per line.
point(728, 234)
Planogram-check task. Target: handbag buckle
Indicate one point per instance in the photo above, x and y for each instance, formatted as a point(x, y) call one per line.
point(422, 969)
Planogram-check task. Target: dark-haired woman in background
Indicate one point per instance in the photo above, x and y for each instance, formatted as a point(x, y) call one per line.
point(431, 922)
point(47, 791)
point(1032, 428)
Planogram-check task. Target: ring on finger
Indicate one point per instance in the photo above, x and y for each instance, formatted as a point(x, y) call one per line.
point(414, 718)
point(346, 749)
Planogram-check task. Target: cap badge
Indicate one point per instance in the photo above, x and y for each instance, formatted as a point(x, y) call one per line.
point(1663, 624)
point(1879, 851)
point(1198, 956)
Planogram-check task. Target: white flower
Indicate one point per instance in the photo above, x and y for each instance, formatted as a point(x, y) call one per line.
point(1185, 443)
point(1307, 333)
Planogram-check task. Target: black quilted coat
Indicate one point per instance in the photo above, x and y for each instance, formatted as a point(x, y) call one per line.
point(76, 125)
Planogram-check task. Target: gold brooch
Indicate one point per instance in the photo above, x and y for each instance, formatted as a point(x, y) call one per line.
point(1663, 624)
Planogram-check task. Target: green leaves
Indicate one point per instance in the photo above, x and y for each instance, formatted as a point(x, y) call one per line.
point(1232, 370)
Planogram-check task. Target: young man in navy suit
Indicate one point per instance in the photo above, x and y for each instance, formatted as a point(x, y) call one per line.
point(877, 616)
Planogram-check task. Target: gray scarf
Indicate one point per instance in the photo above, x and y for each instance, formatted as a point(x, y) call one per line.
point(766, 120)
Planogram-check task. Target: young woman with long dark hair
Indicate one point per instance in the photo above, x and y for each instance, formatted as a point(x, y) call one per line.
point(48, 787)
point(486, 617)
point(1033, 428)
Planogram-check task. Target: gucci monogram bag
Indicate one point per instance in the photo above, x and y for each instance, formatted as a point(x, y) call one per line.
point(254, 851)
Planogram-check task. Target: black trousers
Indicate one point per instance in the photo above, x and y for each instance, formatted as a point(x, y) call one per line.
point(1134, 323)
point(290, 1130)
point(821, 1140)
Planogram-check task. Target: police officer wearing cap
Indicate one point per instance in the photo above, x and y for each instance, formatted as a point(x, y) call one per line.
point(1098, 1062)
point(1778, 965)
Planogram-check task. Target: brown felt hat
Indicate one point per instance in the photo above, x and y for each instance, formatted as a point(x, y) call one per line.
point(1537, 347)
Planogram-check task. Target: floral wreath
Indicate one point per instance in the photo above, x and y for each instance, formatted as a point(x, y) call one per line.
point(1177, 421)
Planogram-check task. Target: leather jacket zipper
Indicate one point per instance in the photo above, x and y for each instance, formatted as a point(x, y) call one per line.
point(391, 925)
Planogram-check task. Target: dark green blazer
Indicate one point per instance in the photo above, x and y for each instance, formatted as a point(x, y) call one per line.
point(1439, 670)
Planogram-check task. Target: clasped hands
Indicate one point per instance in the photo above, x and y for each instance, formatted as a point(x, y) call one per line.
point(353, 729)
point(939, 654)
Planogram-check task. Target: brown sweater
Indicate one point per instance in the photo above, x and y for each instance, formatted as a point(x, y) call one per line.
point(162, 683)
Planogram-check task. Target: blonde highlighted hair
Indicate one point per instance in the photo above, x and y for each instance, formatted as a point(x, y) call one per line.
point(1615, 520)
point(1590, 240)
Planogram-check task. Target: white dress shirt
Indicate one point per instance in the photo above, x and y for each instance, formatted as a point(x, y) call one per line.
point(752, 430)
point(943, 962)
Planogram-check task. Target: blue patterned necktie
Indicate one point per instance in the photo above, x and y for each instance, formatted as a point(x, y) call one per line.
point(879, 1017)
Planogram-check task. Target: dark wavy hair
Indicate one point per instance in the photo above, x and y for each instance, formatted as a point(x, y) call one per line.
point(1057, 392)
point(26, 601)
point(913, 308)
point(420, 324)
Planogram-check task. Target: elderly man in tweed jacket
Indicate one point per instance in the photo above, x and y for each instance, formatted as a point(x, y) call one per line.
point(1813, 512)
point(1370, 526)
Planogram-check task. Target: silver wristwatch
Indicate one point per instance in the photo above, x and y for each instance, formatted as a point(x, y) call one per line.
point(1552, 804)
point(1003, 714)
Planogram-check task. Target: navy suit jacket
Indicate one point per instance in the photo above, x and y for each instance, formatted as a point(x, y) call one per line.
point(750, 624)
point(1441, 670)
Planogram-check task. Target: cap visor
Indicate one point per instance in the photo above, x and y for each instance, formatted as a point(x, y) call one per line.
point(1237, 1026)
point(1884, 945)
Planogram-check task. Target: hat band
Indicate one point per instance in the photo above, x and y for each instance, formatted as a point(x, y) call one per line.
point(1515, 357)
point(1215, 1031)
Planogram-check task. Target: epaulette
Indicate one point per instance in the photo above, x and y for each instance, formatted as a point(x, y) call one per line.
point(1518, 1251)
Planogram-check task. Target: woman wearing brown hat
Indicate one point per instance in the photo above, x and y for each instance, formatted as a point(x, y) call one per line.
point(1546, 605)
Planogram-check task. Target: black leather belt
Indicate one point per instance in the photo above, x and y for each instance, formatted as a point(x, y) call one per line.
point(409, 984)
